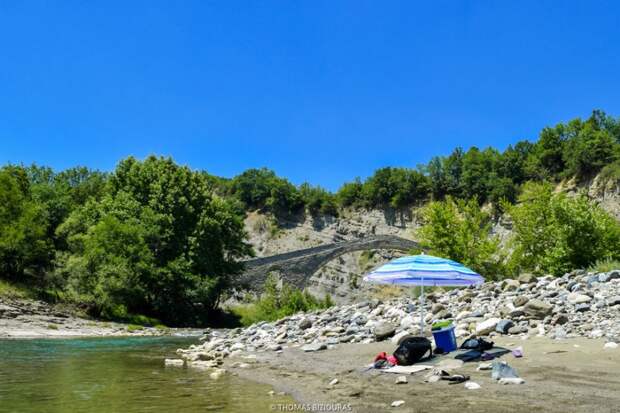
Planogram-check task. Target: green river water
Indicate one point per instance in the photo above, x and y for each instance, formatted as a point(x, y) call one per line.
point(117, 375)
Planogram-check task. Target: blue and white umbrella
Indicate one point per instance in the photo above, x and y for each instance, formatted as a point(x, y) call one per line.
point(424, 270)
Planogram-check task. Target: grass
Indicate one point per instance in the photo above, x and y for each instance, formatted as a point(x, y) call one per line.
point(605, 265)
point(52, 327)
point(276, 303)
point(133, 327)
point(16, 290)
point(611, 172)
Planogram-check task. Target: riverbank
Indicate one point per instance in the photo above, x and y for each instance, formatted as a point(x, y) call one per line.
point(570, 375)
point(27, 318)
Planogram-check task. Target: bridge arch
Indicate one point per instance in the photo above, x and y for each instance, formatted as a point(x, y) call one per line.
point(296, 267)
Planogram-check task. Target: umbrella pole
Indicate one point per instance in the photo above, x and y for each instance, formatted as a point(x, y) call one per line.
point(422, 307)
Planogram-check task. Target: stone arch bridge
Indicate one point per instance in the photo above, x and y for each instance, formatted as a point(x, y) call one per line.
point(296, 267)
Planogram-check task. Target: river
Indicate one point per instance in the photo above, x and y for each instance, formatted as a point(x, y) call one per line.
point(117, 375)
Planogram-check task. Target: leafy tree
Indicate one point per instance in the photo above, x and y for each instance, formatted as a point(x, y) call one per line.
point(262, 189)
point(350, 194)
point(158, 243)
point(545, 160)
point(461, 231)
point(589, 148)
point(25, 249)
point(396, 187)
point(554, 233)
point(318, 200)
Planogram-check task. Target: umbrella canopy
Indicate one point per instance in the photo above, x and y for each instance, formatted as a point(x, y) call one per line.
point(424, 270)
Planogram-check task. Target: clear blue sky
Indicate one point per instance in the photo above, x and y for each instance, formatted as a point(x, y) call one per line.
point(319, 91)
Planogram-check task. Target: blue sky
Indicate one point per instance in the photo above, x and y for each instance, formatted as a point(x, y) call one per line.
point(319, 91)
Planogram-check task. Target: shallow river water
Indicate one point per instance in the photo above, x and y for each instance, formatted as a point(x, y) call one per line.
point(117, 375)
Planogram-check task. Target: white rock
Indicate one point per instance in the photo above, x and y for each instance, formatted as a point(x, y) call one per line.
point(487, 326)
point(610, 345)
point(174, 362)
point(397, 403)
point(407, 322)
point(401, 380)
point(333, 382)
point(511, 380)
point(576, 298)
point(471, 385)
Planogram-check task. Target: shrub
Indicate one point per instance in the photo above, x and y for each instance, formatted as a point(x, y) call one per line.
point(276, 303)
point(554, 233)
point(461, 231)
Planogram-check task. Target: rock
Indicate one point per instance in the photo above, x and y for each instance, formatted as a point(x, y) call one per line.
point(407, 322)
point(526, 278)
point(397, 403)
point(384, 330)
point(612, 275)
point(520, 329)
point(304, 324)
point(576, 298)
point(174, 362)
point(612, 301)
point(314, 347)
point(610, 345)
point(510, 285)
point(503, 326)
point(437, 308)
point(401, 380)
point(484, 366)
point(559, 319)
point(511, 380)
point(581, 308)
point(537, 309)
point(398, 338)
point(487, 326)
point(520, 301)
point(217, 374)
point(333, 382)
point(471, 385)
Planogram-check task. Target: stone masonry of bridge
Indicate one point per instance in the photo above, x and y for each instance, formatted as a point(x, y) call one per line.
point(296, 267)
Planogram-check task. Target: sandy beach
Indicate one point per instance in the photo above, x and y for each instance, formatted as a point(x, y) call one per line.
point(571, 375)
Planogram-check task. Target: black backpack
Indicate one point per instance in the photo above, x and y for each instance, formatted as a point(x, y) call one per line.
point(412, 350)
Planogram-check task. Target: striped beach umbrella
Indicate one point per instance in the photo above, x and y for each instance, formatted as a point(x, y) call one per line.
point(424, 270)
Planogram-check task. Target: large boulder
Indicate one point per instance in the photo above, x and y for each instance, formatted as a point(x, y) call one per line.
point(576, 298)
point(503, 326)
point(384, 330)
point(305, 323)
point(314, 347)
point(510, 285)
point(526, 278)
point(487, 326)
point(520, 300)
point(537, 309)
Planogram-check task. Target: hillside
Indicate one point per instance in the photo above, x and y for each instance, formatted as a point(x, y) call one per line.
point(341, 277)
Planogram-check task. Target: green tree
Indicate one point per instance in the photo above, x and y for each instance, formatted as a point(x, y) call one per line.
point(25, 249)
point(157, 243)
point(461, 231)
point(350, 194)
point(554, 233)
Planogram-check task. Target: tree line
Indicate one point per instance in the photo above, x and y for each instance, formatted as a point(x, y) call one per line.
point(577, 149)
point(156, 238)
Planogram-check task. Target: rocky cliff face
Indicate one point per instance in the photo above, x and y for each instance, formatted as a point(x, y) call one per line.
point(341, 278)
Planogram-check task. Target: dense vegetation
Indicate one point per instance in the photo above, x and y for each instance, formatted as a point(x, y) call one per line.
point(276, 303)
point(156, 238)
point(149, 238)
point(577, 149)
